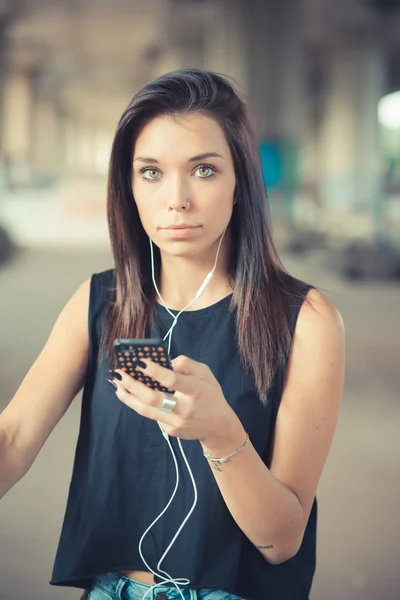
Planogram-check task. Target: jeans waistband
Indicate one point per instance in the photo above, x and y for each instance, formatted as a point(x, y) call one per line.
point(123, 588)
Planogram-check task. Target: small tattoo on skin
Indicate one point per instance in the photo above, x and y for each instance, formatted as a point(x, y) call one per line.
point(265, 547)
point(216, 466)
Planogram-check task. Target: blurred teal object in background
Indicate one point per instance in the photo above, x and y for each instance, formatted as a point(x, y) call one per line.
point(290, 164)
point(271, 162)
point(280, 163)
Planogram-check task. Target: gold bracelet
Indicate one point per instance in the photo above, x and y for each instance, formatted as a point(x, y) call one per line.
point(215, 462)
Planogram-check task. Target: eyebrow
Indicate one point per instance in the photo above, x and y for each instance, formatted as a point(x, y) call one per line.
point(147, 159)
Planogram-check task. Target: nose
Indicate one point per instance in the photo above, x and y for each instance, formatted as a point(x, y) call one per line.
point(178, 196)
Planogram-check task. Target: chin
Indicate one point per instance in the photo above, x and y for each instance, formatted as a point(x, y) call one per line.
point(183, 248)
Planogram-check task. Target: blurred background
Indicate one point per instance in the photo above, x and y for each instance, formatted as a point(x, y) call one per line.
point(322, 78)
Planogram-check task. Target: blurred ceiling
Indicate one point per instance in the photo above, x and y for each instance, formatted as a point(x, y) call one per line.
point(86, 50)
point(93, 54)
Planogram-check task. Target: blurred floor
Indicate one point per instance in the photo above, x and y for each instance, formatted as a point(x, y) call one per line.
point(359, 525)
point(72, 213)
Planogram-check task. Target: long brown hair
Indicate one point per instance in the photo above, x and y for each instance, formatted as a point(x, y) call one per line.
point(263, 290)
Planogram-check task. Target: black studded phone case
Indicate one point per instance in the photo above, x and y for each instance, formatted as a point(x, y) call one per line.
point(127, 350)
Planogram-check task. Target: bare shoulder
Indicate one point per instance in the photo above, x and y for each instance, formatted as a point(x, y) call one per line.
point(318, 346)
point(76, 314)
point(317, 311)
point(79, 300)
point(319, 325)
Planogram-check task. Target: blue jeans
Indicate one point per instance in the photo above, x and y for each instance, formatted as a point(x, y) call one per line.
point(114, 586)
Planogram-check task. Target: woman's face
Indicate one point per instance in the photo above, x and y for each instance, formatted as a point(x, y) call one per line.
point(183, 182)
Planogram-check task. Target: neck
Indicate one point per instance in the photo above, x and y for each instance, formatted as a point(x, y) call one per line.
point(181, 278)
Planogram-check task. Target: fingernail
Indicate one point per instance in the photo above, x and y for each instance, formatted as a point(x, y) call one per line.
point(115, 374)
point(139, 363)
point(112, 383)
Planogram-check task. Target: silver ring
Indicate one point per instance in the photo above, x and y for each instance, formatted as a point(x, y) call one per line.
point(168, 404)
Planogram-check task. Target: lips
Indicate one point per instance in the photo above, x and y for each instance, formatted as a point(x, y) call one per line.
point(174, 227)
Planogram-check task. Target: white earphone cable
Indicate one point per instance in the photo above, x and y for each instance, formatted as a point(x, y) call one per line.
point(166, 577)
point(197, 296)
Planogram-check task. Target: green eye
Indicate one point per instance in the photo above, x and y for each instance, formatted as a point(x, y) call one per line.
point(206, 171)
point(150, 172)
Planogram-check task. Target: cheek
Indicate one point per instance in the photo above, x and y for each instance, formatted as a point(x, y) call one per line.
point(145, 206)
point(147, 219)
point(219, 202)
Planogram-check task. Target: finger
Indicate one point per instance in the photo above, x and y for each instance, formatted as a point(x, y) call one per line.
point(167, 377)
point(144, 393)
point(145, 410)
point(187, 366)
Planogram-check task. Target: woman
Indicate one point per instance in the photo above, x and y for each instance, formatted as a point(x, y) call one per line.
point(257, 372)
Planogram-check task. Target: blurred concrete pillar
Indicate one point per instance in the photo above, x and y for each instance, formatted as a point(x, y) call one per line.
point(225, 42)
point(171, 60)
point(86, 147)
point(374, 86)
point(274, 36)
point(259, 44)
point(102, 149)
point(3, 69)
point(276, 90)
point(70, 138)
point(79, 143)
point(349, 144)
point(3, 29)
point(46, 159)
point(180, 37)
point(16, 121)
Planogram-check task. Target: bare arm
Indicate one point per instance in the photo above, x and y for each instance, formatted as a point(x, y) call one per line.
point(272, 506)
point(46, 392)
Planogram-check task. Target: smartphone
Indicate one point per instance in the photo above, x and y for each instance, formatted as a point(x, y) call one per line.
point(126, 350)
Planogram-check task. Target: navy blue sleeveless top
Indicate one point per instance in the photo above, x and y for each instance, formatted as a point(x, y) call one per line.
point(124, 475)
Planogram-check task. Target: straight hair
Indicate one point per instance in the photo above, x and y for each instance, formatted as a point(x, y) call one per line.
point(263, 291)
